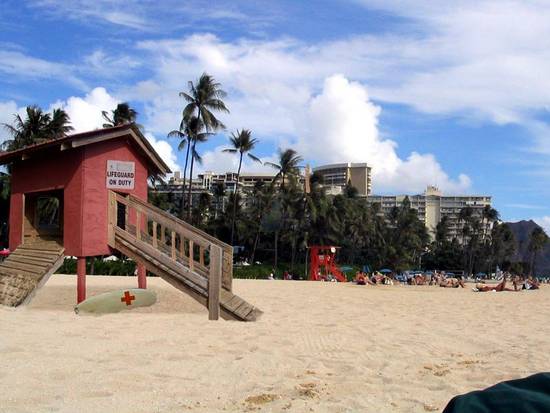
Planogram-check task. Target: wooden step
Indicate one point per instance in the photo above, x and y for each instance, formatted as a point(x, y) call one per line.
point(36, 253)
point(33, 269)
point(33, 259)
point(41, 246)
point(29, 260)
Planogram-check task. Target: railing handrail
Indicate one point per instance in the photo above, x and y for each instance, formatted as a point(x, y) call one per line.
point(167, 215)
point(179, 229)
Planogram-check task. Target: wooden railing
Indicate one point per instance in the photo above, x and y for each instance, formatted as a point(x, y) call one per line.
point(175, 239)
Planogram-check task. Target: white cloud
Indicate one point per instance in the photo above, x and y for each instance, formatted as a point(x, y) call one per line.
point(544, 222)
point(165, 150)
point(218, 161)
point(7, 112)
point(17, 64)
point(86, 114)
point(343, 127)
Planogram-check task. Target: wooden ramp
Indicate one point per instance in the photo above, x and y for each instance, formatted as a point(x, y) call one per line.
point(27, 269)
point(185, 257)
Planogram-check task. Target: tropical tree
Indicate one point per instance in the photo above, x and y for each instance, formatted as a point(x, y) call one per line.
point(121, 115)
point(289, 161)
point(242, 143)
point(185, 134)
point(196, 135)
point(204, 97)
point(36, 127)
point(537, 241)
point(219, 194)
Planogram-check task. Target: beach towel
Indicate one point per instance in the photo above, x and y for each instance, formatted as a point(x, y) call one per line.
point(527, 395)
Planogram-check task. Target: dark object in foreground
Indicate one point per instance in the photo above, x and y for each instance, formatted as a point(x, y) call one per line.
point(529, 395)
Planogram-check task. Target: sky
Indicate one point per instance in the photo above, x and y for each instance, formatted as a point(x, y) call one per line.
point(453, 94)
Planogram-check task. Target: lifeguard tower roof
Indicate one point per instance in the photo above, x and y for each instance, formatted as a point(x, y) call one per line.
point(59, 188)
point(130, 131)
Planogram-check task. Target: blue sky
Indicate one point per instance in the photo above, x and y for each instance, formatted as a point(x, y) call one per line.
point(455, 94)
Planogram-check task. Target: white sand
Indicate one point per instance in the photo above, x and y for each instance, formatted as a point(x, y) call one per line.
point(320, 347)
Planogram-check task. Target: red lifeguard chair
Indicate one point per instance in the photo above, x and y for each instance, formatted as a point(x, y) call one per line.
point(323, 264)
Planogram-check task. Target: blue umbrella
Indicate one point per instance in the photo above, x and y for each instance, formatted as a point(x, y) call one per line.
point(385, 271)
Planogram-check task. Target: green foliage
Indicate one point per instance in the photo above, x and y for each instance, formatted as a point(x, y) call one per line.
point(101, 267)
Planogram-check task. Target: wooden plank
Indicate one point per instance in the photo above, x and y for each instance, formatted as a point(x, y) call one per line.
point(233, 303)
point(46, 255)
point(173, 245)
point(244, 310)
point(33, 269)
point(111, 219)
point(191, 255)
point(193, 282)
point(214, 282)
point(201, 255)
point(146, 252)
point(47, 247)
point(182, 247)
point(155, 240)
point(138, 224)
point(29, 260)
point(44, 278)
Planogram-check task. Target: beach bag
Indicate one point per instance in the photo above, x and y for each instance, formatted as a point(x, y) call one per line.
point(527, 395)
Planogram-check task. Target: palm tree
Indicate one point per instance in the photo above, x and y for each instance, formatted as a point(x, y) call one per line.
point(242, 143)
point(184, 134)
point(204, 97)
point(537, 242)
point(288, 165)
point(195, 136)
point(122, 115)
point(219, 194)
point(36, 127)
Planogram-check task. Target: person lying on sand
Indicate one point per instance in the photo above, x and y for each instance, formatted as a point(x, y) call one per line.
point(360, 278)
point(531, 283)
point(497, 288)
point(452, 283)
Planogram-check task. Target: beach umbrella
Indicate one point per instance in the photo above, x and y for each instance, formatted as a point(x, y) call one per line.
point(385, 271)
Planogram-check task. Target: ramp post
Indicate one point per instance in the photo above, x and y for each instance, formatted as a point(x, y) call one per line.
point(142, 276)
point(80, 279)
point(214, 282)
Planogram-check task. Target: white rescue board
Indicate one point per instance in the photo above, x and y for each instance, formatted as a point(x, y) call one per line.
point(115, 301)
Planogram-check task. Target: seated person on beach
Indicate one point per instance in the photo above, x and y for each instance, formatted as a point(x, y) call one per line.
point(452, 283)
point(531, 283)
point(499, 287)
point(378, 278)
point(360, 278)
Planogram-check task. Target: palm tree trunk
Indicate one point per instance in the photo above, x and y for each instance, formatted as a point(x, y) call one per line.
point(276, 247)
point(256, 241)
point(189, 201)
point(182, 201)
point(235, 199)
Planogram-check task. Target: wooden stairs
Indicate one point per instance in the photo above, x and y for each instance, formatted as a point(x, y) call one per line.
point(184, 256)
point(26, 269)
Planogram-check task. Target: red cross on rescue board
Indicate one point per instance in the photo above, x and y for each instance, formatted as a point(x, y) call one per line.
point(127, 298)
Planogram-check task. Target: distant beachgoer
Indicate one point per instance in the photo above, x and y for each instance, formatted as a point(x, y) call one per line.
point(531, 283)
point(270, 276)
point(497, 288)
point(360, 278)
point(452, 283)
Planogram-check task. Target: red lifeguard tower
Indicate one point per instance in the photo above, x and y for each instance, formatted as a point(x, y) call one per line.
point(85, 195)
point(323, 263)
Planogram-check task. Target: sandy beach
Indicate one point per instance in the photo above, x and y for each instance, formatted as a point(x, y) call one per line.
point(319, 347)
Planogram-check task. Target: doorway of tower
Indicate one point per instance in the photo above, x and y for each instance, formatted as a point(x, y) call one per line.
point(43, 216)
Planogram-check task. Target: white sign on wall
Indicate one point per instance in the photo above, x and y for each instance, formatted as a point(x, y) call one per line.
point(120, 175)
